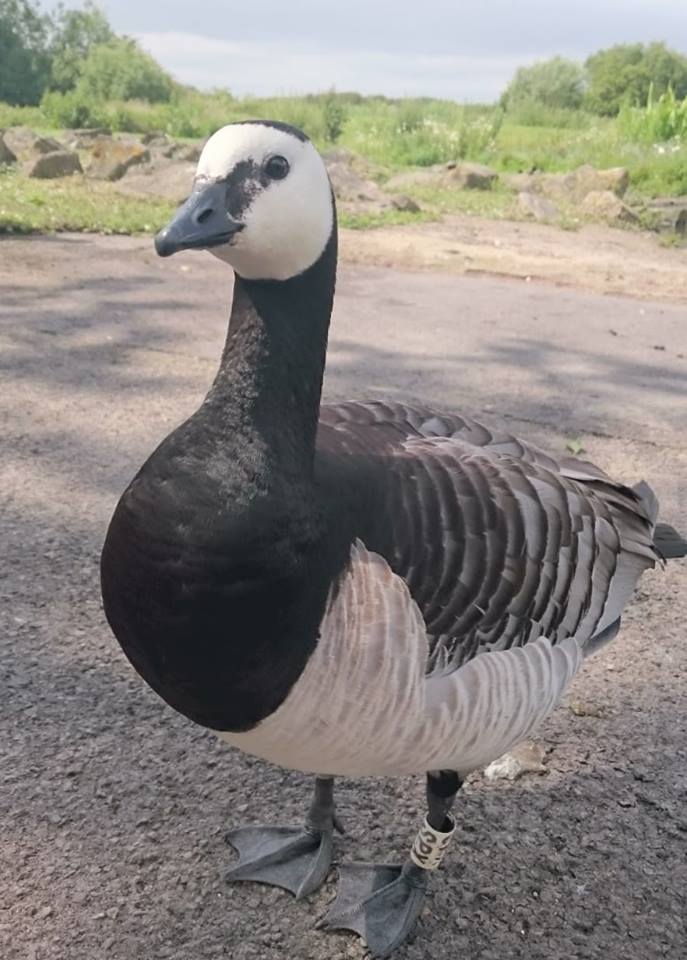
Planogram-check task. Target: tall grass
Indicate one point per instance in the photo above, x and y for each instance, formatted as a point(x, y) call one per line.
point(662, 120)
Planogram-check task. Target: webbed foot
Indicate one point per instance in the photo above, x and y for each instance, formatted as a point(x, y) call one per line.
point(379, 903)
point(297, 859)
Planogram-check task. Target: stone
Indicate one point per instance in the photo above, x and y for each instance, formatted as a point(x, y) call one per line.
point(470, 176)
point(537, 206)
point(349, 187)
point(110, 159)
point(668, 214)
point(405, 204)
point(578, 184)
point(616, 179)
point(605, 205)
point(187, 152)
point(521, 182)
point(84, 139)
point(59, 163)
point(431, 176)
point(526, 757)
point(155, 138)
point(26, 144)
point(6, 155)
point(170, 180)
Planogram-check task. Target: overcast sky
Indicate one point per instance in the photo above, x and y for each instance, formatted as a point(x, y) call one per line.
point(459, 50)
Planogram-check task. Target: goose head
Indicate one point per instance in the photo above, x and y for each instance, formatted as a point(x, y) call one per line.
point(261, 201)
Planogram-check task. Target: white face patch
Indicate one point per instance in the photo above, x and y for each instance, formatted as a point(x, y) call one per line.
point(286, 223)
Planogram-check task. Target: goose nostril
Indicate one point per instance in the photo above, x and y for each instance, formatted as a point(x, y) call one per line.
point(204, 215)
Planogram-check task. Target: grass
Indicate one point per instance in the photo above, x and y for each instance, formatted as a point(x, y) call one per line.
point(74, 203)
point(81, 205)
point(392, 135)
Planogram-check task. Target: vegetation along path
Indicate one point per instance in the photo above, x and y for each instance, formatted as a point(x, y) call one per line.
point(114, 808)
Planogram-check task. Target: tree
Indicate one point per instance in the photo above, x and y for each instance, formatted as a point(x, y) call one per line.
point(120, 70)
point(24, 57)
point(75, 33)
point(553, 83)
point(627, 72)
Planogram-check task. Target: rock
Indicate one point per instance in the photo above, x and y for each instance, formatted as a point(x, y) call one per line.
point(85, 139)
point(585, 708)
point(111, 158)
point(405, 204)
point(416, 178)
point(521, 182)
point(605, 205)
point(187, 152)
point(170, 180)
point(526, 757)
point(469, 176)
point(155, 138)
point(26, 144)
point(577, 185)
point(616, 179)
point(349, 187)
point(534, 205)
point(59, 163)
point(6, 155)
point(668, 214)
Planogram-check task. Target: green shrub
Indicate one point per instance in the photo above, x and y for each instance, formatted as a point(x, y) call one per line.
point(333, 117)
point(120, 70)
point(557, 83)
point(72, 109)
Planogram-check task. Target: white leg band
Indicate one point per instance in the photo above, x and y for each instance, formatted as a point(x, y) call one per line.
point(430, 846)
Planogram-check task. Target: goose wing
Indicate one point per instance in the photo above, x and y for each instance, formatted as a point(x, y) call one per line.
point(498, 542)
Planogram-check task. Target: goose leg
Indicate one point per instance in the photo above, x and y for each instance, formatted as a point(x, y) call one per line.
point(297, 859)
point(381, 903)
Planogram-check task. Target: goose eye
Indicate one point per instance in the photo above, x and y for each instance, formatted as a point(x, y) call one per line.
point(277, 167)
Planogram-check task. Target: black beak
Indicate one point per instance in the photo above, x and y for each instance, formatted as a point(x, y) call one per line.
point(200, 223)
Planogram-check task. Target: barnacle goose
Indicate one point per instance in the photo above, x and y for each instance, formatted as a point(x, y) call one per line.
point(355, 588)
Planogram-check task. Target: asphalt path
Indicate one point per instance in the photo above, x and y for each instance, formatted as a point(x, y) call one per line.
point(114, 809)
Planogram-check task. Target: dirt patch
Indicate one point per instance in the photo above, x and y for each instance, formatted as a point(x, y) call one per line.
point(596, 258)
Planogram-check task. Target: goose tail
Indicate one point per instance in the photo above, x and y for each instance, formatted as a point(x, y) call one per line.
point(668, 543)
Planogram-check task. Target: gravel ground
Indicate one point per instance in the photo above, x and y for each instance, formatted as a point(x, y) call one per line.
point(114, 809)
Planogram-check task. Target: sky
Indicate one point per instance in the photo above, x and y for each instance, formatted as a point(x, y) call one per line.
point(465, 51)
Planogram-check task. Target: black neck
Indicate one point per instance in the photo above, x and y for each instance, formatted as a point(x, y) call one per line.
point(269, 382)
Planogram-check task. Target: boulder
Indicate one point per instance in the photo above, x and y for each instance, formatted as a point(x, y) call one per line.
point(605, 205)
point(6, 155)
point(469, 176)
point(521, 182)
point(405, 204)
point(534, 205)
point(59, 163)
point(577, 185)
point(26, 144)
point(349, 187)
point(110, 159)
point(187, 152)
point(156, 138)
point(431, 176)
point(85, 139)
point(169, 180)
point(452, 175)
point(616, 179)
point(668, 214)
